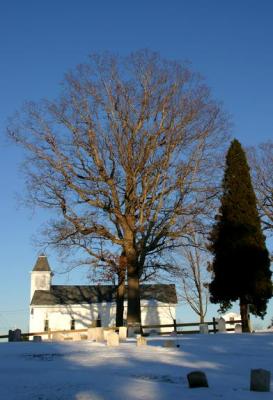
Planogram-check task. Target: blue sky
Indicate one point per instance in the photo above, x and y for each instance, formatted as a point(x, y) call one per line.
point(229, 42)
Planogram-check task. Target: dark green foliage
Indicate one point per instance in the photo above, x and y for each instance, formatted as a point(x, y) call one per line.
point(241, 264)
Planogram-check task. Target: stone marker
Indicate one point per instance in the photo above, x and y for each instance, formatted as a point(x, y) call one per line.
point(204, 328)
point(122, 332)
point(169, 343)
point(11, 336)
point(141, 341)
point(91, 333)
point(37, 339)
point(99, 336)
point(112, 339)
point(57, 336)
point(197, 379)
point(260, 380)
point(17, 335)
point(106, 332)
point(221, 325)
point(238, 328)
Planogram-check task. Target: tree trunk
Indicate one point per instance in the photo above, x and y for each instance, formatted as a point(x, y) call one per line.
point(133, 310)
point(201, 308)
point(244, 316)
point(120, 290)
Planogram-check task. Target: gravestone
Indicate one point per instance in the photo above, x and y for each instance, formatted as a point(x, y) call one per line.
point(37, 339)
point(260, 380)
point(197, 379)
point(112, 339)
point(11, 336)
point(122, 332)
point(141, 341)
point(169, 343)
point(57, 336)
point(91, 333)
point(99, 336)
point(106, 332)
point(221, 325)
point(204, 328)
point(17, 335)
point(238, 328)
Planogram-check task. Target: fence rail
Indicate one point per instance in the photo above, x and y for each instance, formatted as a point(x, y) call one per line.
point(176, 325)
point(175, 328)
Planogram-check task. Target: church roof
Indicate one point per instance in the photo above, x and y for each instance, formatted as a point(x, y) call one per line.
point(42, 264)
point(65, 295)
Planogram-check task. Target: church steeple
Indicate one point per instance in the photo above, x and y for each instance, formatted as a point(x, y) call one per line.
point(40, 275)
point(42, 264)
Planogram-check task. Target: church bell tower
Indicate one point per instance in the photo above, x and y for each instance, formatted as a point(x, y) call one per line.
point(41, 275)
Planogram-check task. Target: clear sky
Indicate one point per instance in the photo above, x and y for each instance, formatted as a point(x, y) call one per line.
point(229, 42)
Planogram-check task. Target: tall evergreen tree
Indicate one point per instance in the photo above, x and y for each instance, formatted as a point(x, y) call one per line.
point(241, 264)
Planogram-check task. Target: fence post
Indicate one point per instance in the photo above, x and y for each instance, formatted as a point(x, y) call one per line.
point(174, 325)
point(214, 325)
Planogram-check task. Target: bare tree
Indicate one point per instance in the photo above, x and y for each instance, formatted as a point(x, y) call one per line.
point(261, 163)
point(125, 157)
point(194, 275)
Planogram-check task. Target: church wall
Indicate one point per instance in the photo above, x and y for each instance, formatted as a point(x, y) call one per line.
point(59, 317)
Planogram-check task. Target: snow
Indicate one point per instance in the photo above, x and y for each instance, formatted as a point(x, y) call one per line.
point(89, 371)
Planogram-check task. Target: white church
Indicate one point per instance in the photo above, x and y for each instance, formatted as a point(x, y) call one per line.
point(67, 307)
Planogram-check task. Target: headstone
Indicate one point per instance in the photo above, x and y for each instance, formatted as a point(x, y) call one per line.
point(106, 332)
point(91, 333)
point(260, 380)
point(122, 332)
point(17, 335)
point(57, 336)
point(37, 339)
point(173, 334)
point(197, 379)
point(11, 336)
point(99, 337)
point(204, 328)
point(141, 341)
point(84, 337)
point(169, 343)
point(238, 328)
point(112, 339)
point(221, 326)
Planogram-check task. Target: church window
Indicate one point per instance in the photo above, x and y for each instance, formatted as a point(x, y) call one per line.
point(46, 326)
point(72, 327)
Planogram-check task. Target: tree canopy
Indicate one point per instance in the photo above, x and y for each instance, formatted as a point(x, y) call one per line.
point(241, 264)
point(125, 156)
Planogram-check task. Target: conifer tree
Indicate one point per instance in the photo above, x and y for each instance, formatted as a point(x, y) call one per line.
point(241, 264)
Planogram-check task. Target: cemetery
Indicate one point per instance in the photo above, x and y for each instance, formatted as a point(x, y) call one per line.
point(108, 364)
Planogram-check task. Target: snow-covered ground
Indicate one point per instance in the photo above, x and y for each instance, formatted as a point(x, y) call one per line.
point(89, 371)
